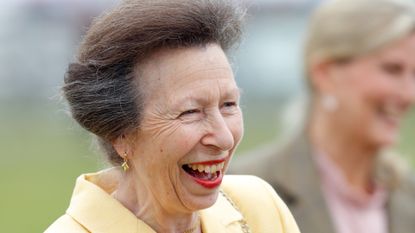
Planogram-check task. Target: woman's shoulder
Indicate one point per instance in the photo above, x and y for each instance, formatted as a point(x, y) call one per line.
point(247, 185)
point(65, 224)
point(251, 191)
point(259, 203)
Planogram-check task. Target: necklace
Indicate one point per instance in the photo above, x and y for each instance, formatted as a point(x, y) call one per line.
point(194, 227)
point(244, 226)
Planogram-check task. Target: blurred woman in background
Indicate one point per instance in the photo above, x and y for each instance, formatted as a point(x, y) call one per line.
point(153, 83)
point(336, 176)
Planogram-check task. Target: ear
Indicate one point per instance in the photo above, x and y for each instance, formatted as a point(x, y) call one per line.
point(122, 146)
point(323, 76)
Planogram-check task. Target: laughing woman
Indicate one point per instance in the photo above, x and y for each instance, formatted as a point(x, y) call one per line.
point(153, 83)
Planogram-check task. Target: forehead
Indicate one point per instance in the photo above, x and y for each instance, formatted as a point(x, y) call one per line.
point(174, 68)
point(403, 48)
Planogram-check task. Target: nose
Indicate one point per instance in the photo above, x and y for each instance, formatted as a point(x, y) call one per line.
point(218, 133)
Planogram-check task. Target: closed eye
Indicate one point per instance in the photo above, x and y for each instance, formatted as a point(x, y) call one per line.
point(189, 112)
point(392, 68)
point(229, 107)
point(229, 104)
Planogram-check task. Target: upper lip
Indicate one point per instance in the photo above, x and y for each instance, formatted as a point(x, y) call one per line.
point(393, 110)
point(209, 162)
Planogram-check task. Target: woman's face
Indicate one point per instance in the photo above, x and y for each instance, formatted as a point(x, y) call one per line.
point(191, 125)
point(374, 91)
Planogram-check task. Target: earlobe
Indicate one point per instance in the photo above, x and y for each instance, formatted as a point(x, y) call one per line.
point(123, 149)
point(121, 145)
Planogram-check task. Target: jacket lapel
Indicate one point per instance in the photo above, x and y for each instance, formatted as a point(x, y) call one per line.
point(295, 174)
point(221, 217)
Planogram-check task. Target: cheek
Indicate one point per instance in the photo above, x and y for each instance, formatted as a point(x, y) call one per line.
point(236, 127)
point(376, 84)
point(184, 139)
point(364, 102)
point(368, 88)
point(379, 88)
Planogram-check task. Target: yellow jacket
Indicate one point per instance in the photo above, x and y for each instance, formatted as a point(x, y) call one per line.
point(243, 201)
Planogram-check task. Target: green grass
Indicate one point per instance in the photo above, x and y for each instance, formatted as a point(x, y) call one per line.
point(43, 153)
point(41, 158)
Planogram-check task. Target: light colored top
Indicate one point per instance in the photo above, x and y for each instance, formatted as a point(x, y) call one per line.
point(243, 199)
point(351, 210)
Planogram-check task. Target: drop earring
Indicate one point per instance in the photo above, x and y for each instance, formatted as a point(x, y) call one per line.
point(330, 103)
point(124, 165)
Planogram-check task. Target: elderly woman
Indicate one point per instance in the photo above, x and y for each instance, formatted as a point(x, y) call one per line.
point(153, 83)
point(336, 176)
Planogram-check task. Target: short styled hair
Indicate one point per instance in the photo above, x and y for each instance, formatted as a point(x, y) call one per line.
point(101, 87)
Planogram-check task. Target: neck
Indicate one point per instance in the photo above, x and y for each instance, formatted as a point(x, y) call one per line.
point(139, 200)
point(355, 158)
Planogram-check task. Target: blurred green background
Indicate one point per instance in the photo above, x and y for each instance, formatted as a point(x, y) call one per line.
point(43, 150)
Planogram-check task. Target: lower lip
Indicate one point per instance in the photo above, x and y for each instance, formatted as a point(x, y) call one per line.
point(210, 184)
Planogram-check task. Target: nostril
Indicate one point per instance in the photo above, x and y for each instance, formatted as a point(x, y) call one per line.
point(226, 138)
point(218, 142)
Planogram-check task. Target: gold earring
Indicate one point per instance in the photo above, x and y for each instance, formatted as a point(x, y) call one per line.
point(124, 165)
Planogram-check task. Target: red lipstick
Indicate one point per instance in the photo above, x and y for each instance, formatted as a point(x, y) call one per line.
point(210, 184)
point(207, 178)
point(210, 162)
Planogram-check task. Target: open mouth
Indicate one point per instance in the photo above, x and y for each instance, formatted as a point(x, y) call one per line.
point(390, 111)
point(207, 175)
point(391, 114)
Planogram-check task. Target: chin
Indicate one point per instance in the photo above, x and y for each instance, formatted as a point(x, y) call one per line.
point(383, 136)
point(202, 202)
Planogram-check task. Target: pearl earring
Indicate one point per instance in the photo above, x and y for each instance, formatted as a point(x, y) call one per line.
point(330, 103)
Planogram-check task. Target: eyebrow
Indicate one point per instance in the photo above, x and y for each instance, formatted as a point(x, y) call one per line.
point(234, 92)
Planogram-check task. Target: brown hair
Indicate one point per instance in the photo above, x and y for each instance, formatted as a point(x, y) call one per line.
point(101, 87)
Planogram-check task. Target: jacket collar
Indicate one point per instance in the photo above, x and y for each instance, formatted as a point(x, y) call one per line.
point(93, 207)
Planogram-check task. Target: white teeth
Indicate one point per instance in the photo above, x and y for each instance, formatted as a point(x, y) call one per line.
point(211, 169)
point(200, 168)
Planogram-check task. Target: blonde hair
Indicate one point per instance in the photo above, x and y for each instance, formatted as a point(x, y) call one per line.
point(344, 29)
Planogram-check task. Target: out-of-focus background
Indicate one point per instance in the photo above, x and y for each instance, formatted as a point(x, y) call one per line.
point(43, 150)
